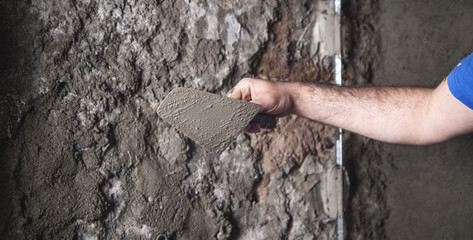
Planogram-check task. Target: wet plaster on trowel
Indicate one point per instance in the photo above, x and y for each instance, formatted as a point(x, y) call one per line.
point(211, 120)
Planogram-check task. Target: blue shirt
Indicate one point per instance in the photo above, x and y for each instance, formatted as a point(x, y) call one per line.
point(460, 81)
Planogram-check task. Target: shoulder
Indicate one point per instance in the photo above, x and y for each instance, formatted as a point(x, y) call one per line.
point(460, 81)
point(446, 115)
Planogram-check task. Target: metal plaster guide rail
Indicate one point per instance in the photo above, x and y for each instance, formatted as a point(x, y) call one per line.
point(339, 148)
point(327, 50)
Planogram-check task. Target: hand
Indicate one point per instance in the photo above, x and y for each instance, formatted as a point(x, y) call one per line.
point(273, 97)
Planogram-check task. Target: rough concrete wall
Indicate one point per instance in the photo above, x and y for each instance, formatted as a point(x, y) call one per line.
point(84, 155)
point(429, 188)
point(366, 206)
point(397, 191)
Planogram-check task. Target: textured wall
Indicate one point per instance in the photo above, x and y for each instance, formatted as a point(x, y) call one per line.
point(398, 191)
point(429, 188)
point(84, 154)
point(366, 209)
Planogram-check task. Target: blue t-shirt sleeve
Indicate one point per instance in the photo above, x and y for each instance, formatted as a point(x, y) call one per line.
point(460, 81)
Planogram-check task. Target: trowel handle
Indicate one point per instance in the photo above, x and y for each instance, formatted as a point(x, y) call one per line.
point(265, 120)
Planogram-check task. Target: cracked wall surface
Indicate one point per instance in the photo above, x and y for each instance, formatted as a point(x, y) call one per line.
point(84, 154)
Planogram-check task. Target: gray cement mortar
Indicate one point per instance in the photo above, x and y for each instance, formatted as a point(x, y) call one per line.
point(210, 120)
point(84, 154)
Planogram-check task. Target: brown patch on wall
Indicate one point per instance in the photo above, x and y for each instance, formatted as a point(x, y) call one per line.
point(295, 137)
point(292, 140)
point(279, 62)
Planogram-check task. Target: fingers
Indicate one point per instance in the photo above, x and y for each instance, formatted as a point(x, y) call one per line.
point(243, 91)
point(251, 90)
point(269, 95)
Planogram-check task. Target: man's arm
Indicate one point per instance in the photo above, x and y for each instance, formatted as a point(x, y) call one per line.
point(405, 115)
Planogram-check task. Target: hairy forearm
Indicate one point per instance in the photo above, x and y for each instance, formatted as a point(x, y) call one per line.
point(388, 114)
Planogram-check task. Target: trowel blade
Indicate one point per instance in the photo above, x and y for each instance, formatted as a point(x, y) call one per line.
point(210, 120)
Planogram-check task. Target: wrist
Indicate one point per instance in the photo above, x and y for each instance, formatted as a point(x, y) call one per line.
point(292, 92)
point(303, 97)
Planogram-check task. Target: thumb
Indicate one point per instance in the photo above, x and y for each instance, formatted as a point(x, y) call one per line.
point(229, 93)
point(234, 94)
point(240, 93)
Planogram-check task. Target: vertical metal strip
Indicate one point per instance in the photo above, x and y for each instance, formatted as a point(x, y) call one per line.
point(339, 147)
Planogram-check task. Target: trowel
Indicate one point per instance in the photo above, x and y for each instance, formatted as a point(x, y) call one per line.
point(210, 120)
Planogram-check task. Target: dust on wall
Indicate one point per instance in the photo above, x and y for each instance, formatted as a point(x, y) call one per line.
point(84, 154)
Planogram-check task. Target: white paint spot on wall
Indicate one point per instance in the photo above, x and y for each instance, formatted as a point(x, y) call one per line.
point(116, 188)
point(233, 30)
point(326, 33)
point(219, 193)
point(144, 230)
point(81, 118)
point(246, 39)
point(87, 231)
point(41, 85)
point(255, 234)
point(212, 27)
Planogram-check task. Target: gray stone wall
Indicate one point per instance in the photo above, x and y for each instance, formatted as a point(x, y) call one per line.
point(85, 156)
